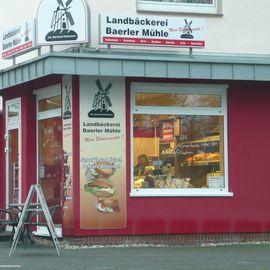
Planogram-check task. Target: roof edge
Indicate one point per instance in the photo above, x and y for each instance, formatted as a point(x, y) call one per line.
point(104, 62)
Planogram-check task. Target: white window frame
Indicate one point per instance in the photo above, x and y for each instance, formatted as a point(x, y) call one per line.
point(11, 124)
point(215, 9)
point(185, 89)
point(44, 93)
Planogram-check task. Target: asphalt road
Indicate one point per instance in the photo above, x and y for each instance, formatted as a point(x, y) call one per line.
point(234, 257)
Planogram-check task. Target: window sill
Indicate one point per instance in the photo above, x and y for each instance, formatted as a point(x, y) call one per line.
point(182, 193)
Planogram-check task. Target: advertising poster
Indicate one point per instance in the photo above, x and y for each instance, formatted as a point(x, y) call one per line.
point(102, 153)
point(152, 31)
point(68, 151)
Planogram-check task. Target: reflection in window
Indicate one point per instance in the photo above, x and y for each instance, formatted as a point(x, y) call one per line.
point(208, 2)
point(13, 110)
point(182, 6)
point(178, 100)
point(49, 103)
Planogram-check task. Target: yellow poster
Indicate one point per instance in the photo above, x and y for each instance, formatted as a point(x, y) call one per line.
point(102, 153)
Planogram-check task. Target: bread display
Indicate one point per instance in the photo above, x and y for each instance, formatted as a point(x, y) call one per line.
point(207, 157)
point(173, 182)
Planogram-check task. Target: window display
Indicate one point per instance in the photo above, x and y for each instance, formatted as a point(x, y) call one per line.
point(183, 6)
point(182, 150)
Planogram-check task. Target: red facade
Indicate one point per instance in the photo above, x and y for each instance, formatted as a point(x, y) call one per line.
point(248, 167)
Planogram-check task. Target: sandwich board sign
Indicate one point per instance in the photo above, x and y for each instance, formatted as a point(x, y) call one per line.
point(28, 207)
point(62, 22)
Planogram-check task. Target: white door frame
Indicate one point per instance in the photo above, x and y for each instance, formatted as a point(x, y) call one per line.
point(13, 122)
point(43, 94)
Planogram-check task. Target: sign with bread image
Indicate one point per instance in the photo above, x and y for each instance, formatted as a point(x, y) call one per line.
point(102, 153)
point(100, 185)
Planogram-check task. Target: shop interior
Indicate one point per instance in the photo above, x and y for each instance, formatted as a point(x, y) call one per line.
point(178, 151)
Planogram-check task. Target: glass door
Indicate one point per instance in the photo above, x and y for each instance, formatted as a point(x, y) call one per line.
point(50, 151)
point(50, 162)
point(13, 152)
point(14, 183)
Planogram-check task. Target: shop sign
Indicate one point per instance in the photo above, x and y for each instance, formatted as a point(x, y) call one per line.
point(67, 152)
point(215, 181)
point(167, 132)
point(152, 31)
point(102, 153)
point(62, 22)
point(18, 39)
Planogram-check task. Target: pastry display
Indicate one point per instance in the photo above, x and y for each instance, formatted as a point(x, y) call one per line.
point(203, 157)
point(173, 182)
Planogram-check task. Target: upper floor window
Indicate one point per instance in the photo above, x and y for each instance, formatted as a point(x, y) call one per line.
point(184, 6)
point(49, 102)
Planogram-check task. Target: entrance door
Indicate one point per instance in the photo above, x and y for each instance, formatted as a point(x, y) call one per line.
point(13, 151)
point(49, 125)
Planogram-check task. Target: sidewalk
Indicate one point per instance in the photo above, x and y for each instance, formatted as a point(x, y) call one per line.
point(233, 257)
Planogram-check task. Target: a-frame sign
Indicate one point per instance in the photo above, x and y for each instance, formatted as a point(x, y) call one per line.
point(29, 206)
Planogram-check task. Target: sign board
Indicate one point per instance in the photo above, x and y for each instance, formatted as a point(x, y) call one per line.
point(39, 207)
point(152, 31)
point(62, 22)
point(68, 152)
point(18, 39)
point(102, 153)
point(215, 181)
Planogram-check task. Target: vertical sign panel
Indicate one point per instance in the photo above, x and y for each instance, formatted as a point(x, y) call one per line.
point(68, 152)
point(102, 153)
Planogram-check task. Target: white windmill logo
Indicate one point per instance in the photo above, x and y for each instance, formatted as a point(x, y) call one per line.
point(62, 18)
point(61, 22)
point(187, 30)
point(102, 102)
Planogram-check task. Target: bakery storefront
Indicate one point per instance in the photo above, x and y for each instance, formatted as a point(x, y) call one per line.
point(129, 145)
point(136, 155)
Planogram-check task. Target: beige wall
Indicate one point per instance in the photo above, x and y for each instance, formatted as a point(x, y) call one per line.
point(243, 28)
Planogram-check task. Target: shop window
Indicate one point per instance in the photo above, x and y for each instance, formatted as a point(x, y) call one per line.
point(179, 140)
point(13, 110)
point(183, 6)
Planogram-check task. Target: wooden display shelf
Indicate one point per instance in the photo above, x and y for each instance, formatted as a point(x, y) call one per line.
point(200, 163)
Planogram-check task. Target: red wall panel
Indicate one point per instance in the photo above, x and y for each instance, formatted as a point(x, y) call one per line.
point(2, 163)
point(248, 162)
point(249, 170)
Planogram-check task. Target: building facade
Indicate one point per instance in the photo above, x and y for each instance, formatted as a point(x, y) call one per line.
point(131, 138)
